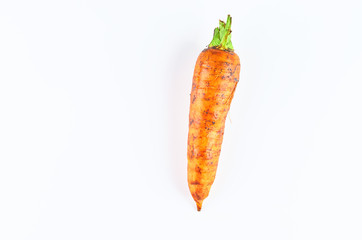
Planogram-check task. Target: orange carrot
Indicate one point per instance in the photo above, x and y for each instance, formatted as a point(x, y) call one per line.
point(214, 82)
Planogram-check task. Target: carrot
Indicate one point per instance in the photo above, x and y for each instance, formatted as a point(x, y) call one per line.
point(214, 82)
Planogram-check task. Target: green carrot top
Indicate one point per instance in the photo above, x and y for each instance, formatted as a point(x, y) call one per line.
point(222, 36)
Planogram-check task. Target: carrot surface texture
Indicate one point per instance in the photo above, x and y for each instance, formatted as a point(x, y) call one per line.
point(214, 82)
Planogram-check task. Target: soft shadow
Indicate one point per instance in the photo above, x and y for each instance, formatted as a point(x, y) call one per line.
point(180, 81)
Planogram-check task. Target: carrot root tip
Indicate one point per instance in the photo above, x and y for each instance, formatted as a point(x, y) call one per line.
point(199, 206)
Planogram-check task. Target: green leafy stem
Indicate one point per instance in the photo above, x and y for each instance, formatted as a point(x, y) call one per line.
point(222, 36)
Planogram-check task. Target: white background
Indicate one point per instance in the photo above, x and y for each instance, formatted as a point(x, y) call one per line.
point(94, 99)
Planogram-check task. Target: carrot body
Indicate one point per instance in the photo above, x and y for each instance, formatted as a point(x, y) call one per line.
point(215, 78)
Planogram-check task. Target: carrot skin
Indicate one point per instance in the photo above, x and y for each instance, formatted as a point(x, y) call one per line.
point(215, 79)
